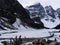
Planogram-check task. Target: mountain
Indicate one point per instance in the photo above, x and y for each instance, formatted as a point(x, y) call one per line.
point(50, 11)
point(34, 16)
point(7, 19)
point(10, 11)
point(47, 15)
point(36, 10)
point(58, 11)
point(4, 24)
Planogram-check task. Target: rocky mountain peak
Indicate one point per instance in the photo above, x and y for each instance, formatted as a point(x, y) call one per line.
point(50, 11)
point(35, 5)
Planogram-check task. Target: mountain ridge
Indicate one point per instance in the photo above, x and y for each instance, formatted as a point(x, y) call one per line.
point(13, 11)
point(49, 14)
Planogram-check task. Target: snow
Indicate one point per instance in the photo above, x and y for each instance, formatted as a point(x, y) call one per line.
point(30, 33)
point(1, 44)
point(50, 24)
point(27, 34)
point(27, 43)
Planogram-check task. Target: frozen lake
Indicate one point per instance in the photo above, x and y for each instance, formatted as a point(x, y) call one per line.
point(31, 33)
point(26, 33)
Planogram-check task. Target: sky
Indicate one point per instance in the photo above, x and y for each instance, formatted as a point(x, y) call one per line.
point(54, 3)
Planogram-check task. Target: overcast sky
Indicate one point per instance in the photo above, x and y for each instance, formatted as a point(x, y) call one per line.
point(54, 3)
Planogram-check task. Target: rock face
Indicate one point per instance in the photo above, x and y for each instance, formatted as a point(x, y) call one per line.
point(6, 14)
point(50, 11)
point(36, 10)
point(36, 13)
point(58, 11)
point(31, 16)
point(5, 24)
point(11, 10)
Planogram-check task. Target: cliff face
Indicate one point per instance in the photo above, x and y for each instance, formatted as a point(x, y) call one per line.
point(12, 9)
point(49, 16)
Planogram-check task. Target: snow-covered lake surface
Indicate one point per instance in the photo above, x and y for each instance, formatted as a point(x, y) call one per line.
point(30, 33)
point(25, 33)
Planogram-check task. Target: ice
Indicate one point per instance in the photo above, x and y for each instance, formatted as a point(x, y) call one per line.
point(27, 34)
point(30, 33)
